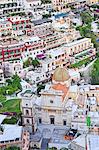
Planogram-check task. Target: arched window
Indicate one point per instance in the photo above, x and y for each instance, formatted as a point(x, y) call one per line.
point(87, 95)
point(52, 120)
point(40, 120)
point(28, 121)
point(27, 112)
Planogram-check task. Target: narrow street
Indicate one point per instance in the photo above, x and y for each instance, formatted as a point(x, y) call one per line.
point(44, 144)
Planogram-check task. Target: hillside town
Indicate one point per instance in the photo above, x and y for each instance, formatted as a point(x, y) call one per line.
point(49, 75)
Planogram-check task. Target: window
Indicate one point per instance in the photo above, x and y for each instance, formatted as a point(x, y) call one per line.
point(87, 95)
point(27, 121)
point(40, 120)
point(51, 101)
point(52, 120)
point(27, 112)
point(64, 122)
point(17, 139)
point(23, 141)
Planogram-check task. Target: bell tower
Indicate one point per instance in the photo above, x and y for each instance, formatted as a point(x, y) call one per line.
point(29, 119)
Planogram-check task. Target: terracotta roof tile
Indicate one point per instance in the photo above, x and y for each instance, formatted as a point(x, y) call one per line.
point(62, 88)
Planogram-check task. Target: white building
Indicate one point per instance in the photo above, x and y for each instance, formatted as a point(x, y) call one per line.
point(10, 135)
point(11, 68)
point(93, 142)
point(37, 76)
point(79, 143)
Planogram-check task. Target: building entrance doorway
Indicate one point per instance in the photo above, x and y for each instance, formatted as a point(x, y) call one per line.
point(52, 120)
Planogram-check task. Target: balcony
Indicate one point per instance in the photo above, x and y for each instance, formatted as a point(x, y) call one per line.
point(85, 54)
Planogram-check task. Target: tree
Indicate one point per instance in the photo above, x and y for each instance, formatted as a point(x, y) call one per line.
point(13, 86)
point(85, 31)
point(3, 90)
point(28, 62)
point(16, 82)
point(2, 98)
point(13, 148)
point(46, 15)
point(35, 63)
point(40, 87)
point(95, 73)
point(86, 17)
point(9, 81)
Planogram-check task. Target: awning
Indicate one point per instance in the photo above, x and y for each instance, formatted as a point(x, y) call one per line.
point(41, 56)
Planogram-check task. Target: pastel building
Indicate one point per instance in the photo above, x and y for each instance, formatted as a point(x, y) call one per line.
point(32, 3)
point(82, 47)
point(55, 40)
point(33, 47)
point(10, 7)
point(10, 135)
point(20, 25)
point(60, 105)
point(38, 76)
point(11, 49)
point(29, 116)
point(91, 2)
point(55, 58)
point(51, 108)
point(60, 5)
point(42, 28)
point(12, 67)
point(5, 29)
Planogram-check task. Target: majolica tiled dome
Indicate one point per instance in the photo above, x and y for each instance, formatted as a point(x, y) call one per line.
point(60, 75)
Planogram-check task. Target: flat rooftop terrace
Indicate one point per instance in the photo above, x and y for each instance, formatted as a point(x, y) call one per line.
point(8, 42)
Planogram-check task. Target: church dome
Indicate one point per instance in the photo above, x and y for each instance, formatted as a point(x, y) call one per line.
point(61, 75)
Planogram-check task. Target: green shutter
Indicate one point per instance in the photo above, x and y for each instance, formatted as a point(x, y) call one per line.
point(88, 121)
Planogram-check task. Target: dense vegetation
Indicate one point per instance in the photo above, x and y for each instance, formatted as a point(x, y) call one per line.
point(95, 73)
point(11, 108)
point(80, 63)
point(13, 148)
point(85, 29)
point(30, 62)
point(12, 120)
point(12, 105)
point(39, 88)
point(86, 17)
point(13, 85)
point(47, 15)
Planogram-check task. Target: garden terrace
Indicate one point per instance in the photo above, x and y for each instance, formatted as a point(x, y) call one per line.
point(85, 54)
point(11, 105)
point(80, 63)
